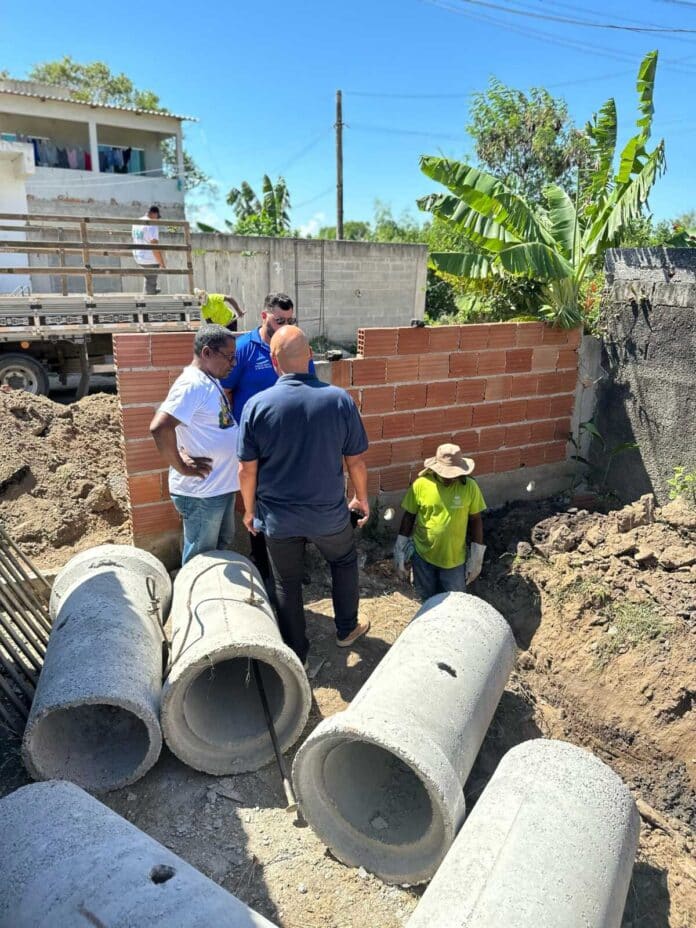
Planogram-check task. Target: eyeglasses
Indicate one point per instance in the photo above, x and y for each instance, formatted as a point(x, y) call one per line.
point(279, 321)
point(227, 357)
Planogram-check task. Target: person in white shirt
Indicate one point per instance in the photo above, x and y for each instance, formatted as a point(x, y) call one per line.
point(196, 434)
point(150, 259)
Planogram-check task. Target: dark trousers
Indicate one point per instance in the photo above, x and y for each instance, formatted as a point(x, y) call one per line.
point(286, 557)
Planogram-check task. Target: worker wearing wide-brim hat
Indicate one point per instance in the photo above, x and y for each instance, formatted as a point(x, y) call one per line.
point(441, 505)
point(219, 309)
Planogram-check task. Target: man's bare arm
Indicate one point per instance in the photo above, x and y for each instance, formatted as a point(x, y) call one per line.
point(163, 430)
point(157, 253)
point(357, 471)
point(248, 479)
point(476, 523)
point(235, 305)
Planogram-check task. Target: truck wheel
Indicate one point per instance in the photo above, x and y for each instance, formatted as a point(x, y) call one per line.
point(22, 372)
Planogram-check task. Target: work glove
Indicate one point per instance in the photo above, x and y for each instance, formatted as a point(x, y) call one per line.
point(474, 561)
point(403, 551)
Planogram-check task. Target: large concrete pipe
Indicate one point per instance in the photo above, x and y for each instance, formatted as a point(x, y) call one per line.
point(550, 844)
point(381, 783)
point(95, 716)
point(68, 860)
point(212, 716)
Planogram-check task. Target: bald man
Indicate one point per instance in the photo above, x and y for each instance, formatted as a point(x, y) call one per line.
point(294, 440)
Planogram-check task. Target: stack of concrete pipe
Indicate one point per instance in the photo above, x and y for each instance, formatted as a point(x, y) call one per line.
point(95, 716)
point(69, 860)
point(382, 782)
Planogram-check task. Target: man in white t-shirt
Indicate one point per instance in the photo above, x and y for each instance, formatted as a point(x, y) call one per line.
point(150, 259)
point(196, 434)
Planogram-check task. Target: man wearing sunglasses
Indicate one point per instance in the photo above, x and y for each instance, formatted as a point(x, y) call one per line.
point(252, 373)
point(196, 434)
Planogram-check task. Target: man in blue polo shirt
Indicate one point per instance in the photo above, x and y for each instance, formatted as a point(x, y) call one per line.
point(293, 442)
point(254, 372)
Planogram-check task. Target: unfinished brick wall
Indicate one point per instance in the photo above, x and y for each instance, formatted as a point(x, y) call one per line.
point(502, 391)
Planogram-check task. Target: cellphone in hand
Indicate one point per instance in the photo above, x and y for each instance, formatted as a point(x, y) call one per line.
point(355, 516)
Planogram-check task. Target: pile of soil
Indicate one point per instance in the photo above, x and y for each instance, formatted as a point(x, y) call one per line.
point(62, 475)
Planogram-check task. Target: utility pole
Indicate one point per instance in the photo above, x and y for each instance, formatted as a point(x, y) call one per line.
point(339, 165)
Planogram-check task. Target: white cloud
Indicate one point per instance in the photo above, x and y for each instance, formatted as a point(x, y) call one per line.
point(312, 226)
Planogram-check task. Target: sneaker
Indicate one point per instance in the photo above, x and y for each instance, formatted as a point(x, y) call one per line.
point(360, 629)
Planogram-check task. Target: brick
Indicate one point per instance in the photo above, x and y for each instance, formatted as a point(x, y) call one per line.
point(506, 460)
point(146, 488)
point(485, 462)
point(542, 431)
point(545, 358)
point(443, 338)
point(551, 335)
point(395, 478)
point(538, 407)
point(463, 364)
point(498, 388)
point(555, 452)
point(524, 385)
point(567, 359)
point(355, 395)
point(377, 342)
point(410, 396)
point(562, 429)
point(369, 371)
point(429, 421)
point(341, 373)
point(473, 337)
point(412, 341)
point(491, 439)
point(574, 337)
point(441, 394)
point(131, 350)
point(502, 335)
point(561, 405)
point(529, 334)
point(373, 427)
point(513, 411)
point(532, 455)
point(468, 441)
point(142, 456)
point(143, 386)
point(459, 417)
point(402, 370)
point(172, 350)
point(377, 399)
point(153, 518)
point(486, 414)
point(558, 382)
point(408, 451)
point(432, 442)
point(471, 391)
point(492, 362)
point(372, 485)
point(518, 360)
point(517, 435)
point(399, 425)
point(433, 367)
point(135, 421)
point(379, 454)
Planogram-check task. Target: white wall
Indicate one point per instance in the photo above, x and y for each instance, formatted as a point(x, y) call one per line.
point(16, 163)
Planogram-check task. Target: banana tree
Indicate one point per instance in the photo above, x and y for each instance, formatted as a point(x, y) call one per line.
point(270, 211)
point(557, 243)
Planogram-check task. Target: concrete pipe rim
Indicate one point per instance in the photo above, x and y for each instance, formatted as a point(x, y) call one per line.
point(216, 747)
point(145, 751)
point(385, 860)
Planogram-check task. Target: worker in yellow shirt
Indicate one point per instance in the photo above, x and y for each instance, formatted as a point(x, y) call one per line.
point(440, 505)
point(219, 309)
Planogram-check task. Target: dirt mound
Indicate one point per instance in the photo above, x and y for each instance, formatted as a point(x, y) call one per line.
point(62, 475)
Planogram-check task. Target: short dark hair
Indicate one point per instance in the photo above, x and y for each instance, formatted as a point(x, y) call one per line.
point(154, 209)
point(281, 300)
point(211, 336)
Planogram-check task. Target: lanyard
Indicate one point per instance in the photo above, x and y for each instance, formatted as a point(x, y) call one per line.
point(222, 394)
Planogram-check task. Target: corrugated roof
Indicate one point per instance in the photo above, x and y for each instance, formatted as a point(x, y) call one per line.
point(96, 106)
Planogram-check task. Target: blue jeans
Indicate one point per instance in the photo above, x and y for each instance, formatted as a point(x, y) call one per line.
point(429, 579)
point(208, 523)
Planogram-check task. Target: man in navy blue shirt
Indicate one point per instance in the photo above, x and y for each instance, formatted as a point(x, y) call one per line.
point(254, 372)
point(294, 439)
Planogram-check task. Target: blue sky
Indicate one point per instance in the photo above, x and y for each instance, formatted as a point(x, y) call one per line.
point(262, 77)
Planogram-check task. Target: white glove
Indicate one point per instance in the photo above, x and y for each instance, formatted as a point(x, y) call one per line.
point(474, 561)
point(403, 549)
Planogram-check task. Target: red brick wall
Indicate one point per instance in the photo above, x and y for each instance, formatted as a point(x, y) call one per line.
point(503, 391)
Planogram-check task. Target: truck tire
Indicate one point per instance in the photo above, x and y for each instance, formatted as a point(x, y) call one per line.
point(22, 372)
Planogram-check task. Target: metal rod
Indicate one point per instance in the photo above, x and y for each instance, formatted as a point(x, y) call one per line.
point(21, 622)
point(9, 721)
point(22, 682)
point(37, 573)
point(14, 591)
point(24, 590)
point(9, 693)
point(21, 646)
point(287, 786)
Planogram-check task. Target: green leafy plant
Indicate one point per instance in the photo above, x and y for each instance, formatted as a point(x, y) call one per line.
point(683, 483)
point(597, 476)
point(556, 243)
point(631, 625)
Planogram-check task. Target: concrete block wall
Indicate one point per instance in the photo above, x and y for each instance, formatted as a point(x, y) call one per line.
point(504, 391)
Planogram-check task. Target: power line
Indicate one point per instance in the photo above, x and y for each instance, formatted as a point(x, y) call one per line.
point(313, 199)
point(303, 151)
point(393, 130)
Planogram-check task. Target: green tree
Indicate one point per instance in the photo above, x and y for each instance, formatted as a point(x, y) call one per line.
point(557, 244)
point(95, 82)
point(526, 140)
point(353, 231)
point(268, 214)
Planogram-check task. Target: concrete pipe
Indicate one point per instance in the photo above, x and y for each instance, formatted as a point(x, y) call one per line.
point(381, 783)
point(212, 716)
point(68, 860)
point(550, 844)
point(95, 716)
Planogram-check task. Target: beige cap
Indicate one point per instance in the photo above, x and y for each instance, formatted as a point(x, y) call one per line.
point(448, 462)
